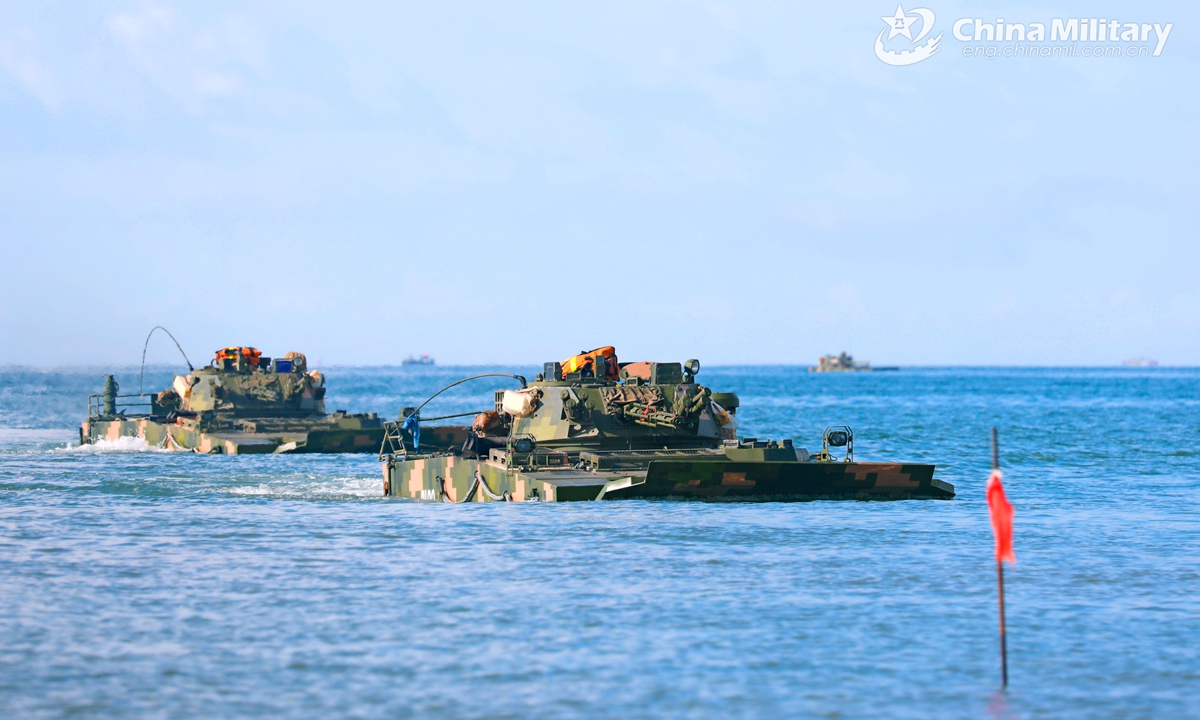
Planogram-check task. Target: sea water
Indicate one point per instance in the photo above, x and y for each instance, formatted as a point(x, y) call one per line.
point(140, 583)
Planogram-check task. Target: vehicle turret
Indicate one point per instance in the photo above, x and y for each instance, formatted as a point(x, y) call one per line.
point(240, 382)
point(605, 405)
point(588, 402)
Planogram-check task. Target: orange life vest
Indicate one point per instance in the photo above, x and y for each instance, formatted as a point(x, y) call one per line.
point(251, 355)
point(584, 360)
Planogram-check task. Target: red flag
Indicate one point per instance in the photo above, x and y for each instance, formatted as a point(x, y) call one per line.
point(1001, 512)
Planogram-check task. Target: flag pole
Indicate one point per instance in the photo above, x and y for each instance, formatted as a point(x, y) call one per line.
point(1000, 582)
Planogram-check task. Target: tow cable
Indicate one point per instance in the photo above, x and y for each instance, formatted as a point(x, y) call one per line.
point(476, 484)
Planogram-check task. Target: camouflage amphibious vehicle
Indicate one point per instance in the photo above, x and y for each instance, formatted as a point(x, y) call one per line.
point(241, 403)
point(844, 363)
point(591, 428)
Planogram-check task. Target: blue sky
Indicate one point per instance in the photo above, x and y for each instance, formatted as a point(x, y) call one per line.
point(738, 182)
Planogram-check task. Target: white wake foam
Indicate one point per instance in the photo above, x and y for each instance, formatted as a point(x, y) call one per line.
point(121, 446)
point(332, 488)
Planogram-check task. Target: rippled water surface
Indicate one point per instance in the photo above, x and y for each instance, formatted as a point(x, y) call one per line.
point(146, 584)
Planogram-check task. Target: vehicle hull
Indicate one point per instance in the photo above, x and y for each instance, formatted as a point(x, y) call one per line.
point(450, 478)
point(348, 434)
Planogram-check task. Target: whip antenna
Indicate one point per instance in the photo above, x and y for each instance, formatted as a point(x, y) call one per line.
point(142, 372)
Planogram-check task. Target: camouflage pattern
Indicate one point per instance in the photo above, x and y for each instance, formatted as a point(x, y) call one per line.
point(653, 434)
point(234, 407)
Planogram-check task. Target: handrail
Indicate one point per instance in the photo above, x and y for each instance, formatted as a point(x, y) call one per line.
point(393, 436)
point(96, 403)
point(393, 441)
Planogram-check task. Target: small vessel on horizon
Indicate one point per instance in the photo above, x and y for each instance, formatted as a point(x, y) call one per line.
point(1140, 362)
point(413, 360)
point(844, 362)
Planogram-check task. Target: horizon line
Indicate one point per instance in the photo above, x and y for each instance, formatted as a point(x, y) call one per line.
point(425, 368)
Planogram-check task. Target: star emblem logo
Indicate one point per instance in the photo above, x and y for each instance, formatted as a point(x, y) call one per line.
point(903, 23)
point(900, 24)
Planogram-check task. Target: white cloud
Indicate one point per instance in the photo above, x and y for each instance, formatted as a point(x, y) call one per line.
point(140, 30)
point(191, 61)
point(19, 59)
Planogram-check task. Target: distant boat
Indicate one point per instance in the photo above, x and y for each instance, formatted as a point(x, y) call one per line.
point(423, 360)
point(844, 363)
point(1140, 362)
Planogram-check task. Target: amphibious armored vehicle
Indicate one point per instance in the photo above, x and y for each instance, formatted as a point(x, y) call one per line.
point(844, 363)
point(591, 428)
point(241, 403)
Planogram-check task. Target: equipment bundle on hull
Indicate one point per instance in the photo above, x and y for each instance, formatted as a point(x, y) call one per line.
point(592, 428)
point(242, 403)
